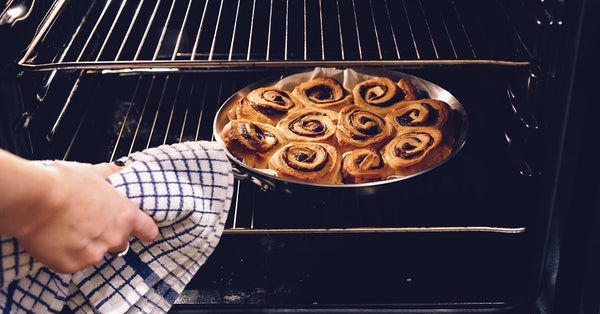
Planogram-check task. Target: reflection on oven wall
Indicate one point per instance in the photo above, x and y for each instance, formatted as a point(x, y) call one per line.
point(126, 75)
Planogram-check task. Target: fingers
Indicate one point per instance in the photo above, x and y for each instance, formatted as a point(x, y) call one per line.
point(145, 228)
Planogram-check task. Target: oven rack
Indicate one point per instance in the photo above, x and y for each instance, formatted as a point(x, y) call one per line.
point(178, 35)
point(151, 109)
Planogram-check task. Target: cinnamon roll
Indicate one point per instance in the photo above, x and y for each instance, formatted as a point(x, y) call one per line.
point(310, 124)
point(308, 162)
point(381, 95)
point(267, 105)
point(423, 113)
point(323, 92)
point(359, 128)
point(364, 165)
point(254, 142)
point(415, 150)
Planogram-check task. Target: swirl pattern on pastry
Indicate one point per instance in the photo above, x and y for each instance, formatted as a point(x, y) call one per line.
point(423, 113)
point(323, 92)
point(415, 150)
point(364, 165)
point(359, 128)
point(310, 124)
point(308, 161)
point(254, 142)
point(381, 95)
point(267, 105)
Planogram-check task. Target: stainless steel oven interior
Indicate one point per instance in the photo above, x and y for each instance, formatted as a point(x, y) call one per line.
point(102, 79)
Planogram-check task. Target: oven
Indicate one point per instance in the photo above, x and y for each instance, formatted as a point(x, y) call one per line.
point(505, 226)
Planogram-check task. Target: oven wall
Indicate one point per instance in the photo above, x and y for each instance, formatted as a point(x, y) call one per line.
point(577, 217)
point(15, 37)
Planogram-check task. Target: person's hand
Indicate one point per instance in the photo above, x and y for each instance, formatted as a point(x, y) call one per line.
point(81, 218)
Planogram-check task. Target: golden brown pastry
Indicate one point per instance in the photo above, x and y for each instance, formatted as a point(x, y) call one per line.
point(359, 128)
point(409, 90)
point(323, 92)
point(423, 113)
point(310, 124)
point(415, 150)
point(364, 165)
point(309, 162)
point(254, 142)
point(381, 95)
point(267, 105)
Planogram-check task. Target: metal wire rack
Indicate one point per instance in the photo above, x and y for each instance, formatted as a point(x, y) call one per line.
point(124, 35)
point(148, 110)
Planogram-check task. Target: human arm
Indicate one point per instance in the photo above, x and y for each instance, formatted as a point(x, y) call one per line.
point(66, 215)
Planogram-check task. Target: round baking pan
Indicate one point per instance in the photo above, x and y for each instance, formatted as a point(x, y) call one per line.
point(348, 77)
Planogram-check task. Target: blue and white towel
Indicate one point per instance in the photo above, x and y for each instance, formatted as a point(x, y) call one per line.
point(187, 189)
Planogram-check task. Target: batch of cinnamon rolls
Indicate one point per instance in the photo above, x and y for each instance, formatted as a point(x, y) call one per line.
point(322, 132)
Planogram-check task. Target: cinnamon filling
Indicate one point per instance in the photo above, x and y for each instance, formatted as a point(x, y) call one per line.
point(380, 95)
point(275, 103)
point(374, 93)
point(415, 145)
point(321, 94)
point(301, 157)
point(251, 133)
point(368, 161)
point(305, 159)
point(257, 137)
point(360, 159)
point(411, 117)
point(308, 125)
point(366, 124)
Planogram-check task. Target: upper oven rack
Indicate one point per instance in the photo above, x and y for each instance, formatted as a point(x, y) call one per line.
point(176, 35)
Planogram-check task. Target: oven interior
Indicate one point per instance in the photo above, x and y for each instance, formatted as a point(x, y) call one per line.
point(102, 79)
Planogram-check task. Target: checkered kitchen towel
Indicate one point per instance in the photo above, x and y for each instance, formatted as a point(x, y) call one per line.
point(187, 189)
